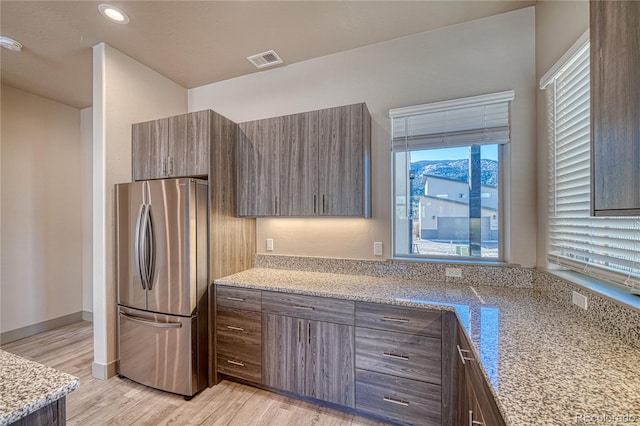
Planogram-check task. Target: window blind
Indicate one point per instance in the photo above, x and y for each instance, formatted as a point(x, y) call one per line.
point(606, 247)
point(469, 121)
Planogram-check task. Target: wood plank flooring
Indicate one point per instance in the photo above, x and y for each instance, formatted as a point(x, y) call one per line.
point(124, 402)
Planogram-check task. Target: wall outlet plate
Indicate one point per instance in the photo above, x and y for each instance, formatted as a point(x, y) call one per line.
point(377, 248)
point(580, 300)
point(269, 244)
point(453, 272)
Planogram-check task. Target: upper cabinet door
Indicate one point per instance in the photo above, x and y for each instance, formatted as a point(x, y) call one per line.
point(189, 137)
point(344, 157)
point(258, 167)
point(298, 152)
point(615, 107)
point(149, 146)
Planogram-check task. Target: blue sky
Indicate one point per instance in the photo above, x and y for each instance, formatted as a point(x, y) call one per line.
point(489, 152)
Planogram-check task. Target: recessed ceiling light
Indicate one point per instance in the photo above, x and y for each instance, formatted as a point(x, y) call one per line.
point(114, 14)
point(11, 44)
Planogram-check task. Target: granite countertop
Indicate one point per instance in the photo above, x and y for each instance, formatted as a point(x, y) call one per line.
point(545, 364)
point(26, 386)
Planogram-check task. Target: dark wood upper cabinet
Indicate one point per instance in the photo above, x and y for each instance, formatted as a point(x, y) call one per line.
point(258, 167)
point(176, 146)
point(298, 152)
point(343, 155)
point(149, 146)
point(615, 107)
point(316, 164)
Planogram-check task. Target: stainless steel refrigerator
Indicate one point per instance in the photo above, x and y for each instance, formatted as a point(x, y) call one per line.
point(162, 280)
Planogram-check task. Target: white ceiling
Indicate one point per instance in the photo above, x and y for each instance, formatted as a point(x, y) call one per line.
point(198, 42)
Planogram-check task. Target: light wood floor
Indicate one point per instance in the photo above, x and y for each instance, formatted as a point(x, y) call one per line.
point(123, 402)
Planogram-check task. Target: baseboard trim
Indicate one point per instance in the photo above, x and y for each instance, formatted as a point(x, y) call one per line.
point(104, 371)
point(30, 330)
point(87, 316)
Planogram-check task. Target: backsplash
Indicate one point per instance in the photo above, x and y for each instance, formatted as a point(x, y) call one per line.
point(619, 320)
point(499, 275)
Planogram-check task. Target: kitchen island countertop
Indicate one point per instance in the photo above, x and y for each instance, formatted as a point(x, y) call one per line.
point(545, 364)
point(26, 386)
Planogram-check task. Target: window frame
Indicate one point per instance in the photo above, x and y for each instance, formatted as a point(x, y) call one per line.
point(503, 193)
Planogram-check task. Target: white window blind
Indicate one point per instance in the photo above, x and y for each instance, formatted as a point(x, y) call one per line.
point(607, 247)
point(475, 120)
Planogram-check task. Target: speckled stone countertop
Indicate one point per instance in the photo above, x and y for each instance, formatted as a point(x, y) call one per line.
point(26, 386)
point(546, 365)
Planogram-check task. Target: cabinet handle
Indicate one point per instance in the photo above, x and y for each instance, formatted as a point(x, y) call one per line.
point(164, 167)
point(238, 363)
point(396, 401)
point(306, 308)
point(324, 205)
point(309, 332)
point(391, 319)
point(474, 422)
point(235, 299)
point(394, 356)
point(171, 165)
point(298, 331)
point(462, 357)
point(315, 204)
point(276, 204)
point(230, 327)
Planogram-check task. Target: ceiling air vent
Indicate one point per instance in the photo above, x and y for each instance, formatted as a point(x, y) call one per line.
point(265, 59)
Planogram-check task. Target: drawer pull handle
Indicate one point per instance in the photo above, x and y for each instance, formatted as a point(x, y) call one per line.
point(396, 401)
point(394, 356)
point(230, 327)
point(391, 319)
point(238, 363)
point(462, 357)
point(306, 308)
point(235, 299)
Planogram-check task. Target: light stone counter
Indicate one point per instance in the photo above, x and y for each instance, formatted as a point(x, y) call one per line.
point(26, 386)
point(546, 365)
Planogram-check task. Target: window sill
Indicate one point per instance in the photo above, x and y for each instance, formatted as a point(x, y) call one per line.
point(456, 261)
point(614, 292)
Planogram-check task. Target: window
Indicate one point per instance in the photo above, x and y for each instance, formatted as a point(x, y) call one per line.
point(606, 247)
point(446, 177)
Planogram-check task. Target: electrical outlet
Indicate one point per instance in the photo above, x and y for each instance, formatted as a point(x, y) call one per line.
point(377, 248)
point(453, 272)
point(269, 244)
point(580, 300)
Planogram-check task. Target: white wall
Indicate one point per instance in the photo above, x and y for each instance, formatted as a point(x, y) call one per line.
point(86, 159)
point(479, 57)
point(124, 92)
point(558, 25)
point(41, 209)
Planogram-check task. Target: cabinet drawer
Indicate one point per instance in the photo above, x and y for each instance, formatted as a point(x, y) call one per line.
point(238, 327)
point(404, 355)
point(310, 307)
point(398, 318)
point(402, 400)
point(240, 361)
point(238, 298)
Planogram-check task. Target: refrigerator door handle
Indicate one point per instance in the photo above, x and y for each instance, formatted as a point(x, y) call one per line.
point(138, 244)
point(150, 323)
point(150, 244)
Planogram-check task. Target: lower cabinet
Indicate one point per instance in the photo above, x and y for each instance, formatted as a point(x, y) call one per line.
point(406, 365)
point(311, 358)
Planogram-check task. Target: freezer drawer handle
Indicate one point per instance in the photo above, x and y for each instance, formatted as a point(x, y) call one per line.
point(151, 323)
